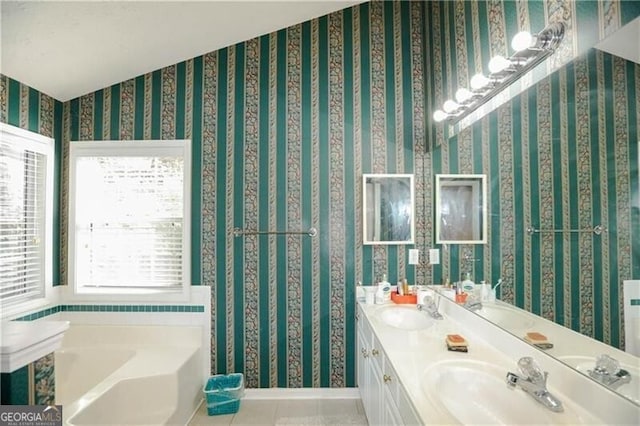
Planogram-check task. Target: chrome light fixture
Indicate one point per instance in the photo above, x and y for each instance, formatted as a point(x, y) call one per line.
point(530, 50)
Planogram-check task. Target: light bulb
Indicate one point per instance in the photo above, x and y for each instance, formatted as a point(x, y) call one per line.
point(478, 81)
point(463, 95)
point(450, 106)
point(498, 63)
point(439, 115)
point(522, 41)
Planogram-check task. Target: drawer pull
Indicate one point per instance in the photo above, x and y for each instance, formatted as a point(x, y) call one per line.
point(386, 378)
point(374, 352)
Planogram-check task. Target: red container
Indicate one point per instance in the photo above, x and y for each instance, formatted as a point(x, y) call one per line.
point(461, 298)
point(410, 299)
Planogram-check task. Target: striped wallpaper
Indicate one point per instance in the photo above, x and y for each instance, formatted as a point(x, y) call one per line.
point(462, 36)
point(24, 107)
point(564, 154)
point(284, 125)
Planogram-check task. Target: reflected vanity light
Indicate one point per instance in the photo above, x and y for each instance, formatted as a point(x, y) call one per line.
point(479, 82)
point(450, 106)
point(463, 95)
point(521, 41)
point(530, 50)
point(498, 64)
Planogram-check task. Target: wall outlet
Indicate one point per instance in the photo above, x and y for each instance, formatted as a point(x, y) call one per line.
point(434, 256)
point(414, 255)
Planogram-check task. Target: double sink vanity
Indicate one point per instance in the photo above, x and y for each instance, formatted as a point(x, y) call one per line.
point(406, 374)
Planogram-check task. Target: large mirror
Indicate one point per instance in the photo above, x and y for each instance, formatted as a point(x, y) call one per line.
point(602, 314)
point(461, 209)
point(388, 208)
point(576, 350)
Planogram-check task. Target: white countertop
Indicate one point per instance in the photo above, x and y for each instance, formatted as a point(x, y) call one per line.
point(411, 353)
point(23, 342)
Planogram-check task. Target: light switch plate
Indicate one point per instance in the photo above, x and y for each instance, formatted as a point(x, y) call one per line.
point(414, 255)
point(434, 256)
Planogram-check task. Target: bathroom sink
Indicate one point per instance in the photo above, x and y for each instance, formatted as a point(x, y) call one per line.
point(506, 316)
point(630, 390)
point(475, 392)
point(404, 317)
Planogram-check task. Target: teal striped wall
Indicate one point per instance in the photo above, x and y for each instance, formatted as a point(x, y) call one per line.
point(464, 35)
point(563, 154)
point(283, 127)
point(24, 107)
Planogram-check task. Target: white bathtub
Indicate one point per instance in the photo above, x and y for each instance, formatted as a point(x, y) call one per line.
point(129, 375)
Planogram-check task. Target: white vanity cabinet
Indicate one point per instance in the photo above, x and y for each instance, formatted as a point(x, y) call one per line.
point(384, 400)
point(406, 376)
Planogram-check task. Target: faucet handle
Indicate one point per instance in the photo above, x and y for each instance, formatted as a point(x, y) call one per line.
point(530, 368)
point(607, 365)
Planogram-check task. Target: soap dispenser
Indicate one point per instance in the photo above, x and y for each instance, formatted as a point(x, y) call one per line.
point(468, 286)
point(383, 295)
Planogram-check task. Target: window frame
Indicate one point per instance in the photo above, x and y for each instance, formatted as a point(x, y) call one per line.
point(45, 146)
point(143, 148)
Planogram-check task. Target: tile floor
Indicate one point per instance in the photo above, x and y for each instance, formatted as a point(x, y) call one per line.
point(268, 411)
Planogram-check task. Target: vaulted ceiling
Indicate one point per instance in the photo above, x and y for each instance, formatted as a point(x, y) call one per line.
point(69, 48)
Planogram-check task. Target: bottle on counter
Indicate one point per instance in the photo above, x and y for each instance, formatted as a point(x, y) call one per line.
point(383, 294)
point(468, 286)
point(485, 291)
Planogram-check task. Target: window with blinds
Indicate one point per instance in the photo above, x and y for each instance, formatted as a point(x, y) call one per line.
point(26, 188)
point(130, 215)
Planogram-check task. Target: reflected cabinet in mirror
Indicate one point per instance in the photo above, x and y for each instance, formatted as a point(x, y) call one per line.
point(388, 207)
point(461, 212)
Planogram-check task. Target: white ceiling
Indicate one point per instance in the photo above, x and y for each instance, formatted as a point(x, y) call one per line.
point(624, 43)
point(70, 48)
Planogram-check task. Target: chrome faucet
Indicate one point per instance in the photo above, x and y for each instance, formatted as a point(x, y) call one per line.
point(430, 308)
point(534, 383)
point(608, 372)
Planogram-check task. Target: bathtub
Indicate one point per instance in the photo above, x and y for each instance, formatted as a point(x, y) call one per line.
point(129, 375)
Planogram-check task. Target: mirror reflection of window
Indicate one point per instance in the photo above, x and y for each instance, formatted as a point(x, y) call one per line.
point(395, 211)
point(388, 209)
point(460, 209)
point(456, 214)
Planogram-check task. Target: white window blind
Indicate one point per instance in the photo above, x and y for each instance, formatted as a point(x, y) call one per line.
point(26, 174)
point(129, 215)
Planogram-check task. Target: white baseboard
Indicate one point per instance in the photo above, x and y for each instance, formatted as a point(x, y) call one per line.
point(302, 393)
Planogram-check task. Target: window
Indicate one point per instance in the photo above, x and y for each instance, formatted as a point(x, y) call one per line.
point(26, 206)
point(129, 229)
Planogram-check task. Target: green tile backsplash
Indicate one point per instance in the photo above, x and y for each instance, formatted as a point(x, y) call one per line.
point(111, 308)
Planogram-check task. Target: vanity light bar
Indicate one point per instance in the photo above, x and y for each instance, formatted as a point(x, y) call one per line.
point(530, 50)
